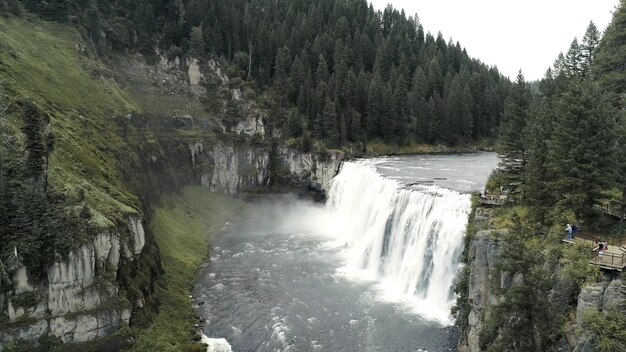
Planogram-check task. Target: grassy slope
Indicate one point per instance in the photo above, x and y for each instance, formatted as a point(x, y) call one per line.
point(48, 64)
point(181, 225)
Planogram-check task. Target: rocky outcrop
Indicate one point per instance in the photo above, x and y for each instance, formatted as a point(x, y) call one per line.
point(615, 295)
point(79, 298)
point(590, 297)
point(252, 125)
point(603, 296)
point(483, 255)
point(230, 169)
point(314, 171)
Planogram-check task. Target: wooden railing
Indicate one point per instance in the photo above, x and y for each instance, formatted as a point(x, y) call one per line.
point(611, 241)
point(492, 200)
point(612, 260)
point(613, 211)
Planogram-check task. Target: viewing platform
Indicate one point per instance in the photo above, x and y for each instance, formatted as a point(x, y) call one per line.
point(492, 200)
point(612, 259)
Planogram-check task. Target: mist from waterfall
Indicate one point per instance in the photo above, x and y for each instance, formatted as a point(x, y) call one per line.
point(407, 239)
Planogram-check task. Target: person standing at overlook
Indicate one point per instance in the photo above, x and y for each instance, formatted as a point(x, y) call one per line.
point(570, 232)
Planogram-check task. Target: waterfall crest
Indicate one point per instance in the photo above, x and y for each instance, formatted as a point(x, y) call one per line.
point(409, 240)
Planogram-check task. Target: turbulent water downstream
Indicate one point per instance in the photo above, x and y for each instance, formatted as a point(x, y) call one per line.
point(372, 270)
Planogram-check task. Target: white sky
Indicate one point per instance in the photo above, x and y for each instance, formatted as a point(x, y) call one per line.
point(526, 34)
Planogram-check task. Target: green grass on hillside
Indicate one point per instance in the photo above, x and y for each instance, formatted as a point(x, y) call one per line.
point(48, 61)
point(181, 225)
point(51, 65)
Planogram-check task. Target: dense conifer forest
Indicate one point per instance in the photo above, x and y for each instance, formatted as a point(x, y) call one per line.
point(331, 70)
point(563, 148)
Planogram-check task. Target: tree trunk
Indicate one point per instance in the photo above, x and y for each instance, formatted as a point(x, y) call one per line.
point(250, 61)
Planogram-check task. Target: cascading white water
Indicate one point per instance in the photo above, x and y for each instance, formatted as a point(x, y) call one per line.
point(409, 240)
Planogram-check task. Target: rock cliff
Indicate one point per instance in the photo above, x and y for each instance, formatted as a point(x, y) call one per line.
point(230, 169)
point(603, 297)
point(78, 300)
point(482, 258)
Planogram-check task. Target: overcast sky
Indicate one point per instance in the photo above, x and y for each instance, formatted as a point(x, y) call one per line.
point(526, 34)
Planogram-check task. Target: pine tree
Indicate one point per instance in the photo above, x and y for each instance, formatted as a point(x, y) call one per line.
point(330, 125)
point(322, 71)
point(609, 65)
point(524, 319)
point(573, 60)
point(610, 72)
point(580, 150)
point(417, 105)
point(197, 46)
point(450, 128)
point(282, 73)
point(33, 130)
point(536, 178)
point(589, 47)
point(388, 115)
point(375, 106)
point(434, 115)
point(355, 132)
point(491, 109)
point(401, 105)
point(511, 145)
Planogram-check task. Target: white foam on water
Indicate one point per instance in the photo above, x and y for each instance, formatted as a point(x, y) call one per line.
point(216, 345)
point(408, 241)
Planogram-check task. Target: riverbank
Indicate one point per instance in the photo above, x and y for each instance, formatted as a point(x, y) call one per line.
point(381, 149)
point(182, 224)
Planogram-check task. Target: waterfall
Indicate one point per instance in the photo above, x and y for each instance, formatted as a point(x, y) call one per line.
point(409, 240)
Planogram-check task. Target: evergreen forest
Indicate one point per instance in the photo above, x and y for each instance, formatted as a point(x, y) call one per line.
point(331, 70)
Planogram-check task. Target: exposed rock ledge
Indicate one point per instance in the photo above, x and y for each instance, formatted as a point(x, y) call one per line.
point(483, 255)
point(229, 169)
point(602, 296)
point(77, 301)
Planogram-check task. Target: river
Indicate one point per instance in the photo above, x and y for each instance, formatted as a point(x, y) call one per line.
point(371, 270)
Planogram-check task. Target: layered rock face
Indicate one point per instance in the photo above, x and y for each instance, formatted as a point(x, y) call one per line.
point(483, 255)
point(229, 169)
point(79, 299)
point(314, 171)
point(601, 296)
